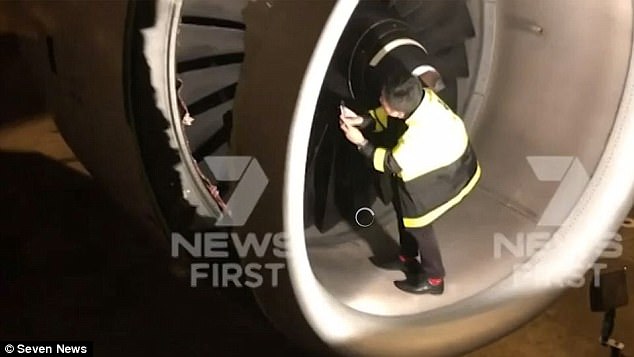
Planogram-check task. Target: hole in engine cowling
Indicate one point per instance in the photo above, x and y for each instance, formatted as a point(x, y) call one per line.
point(516, 123)
point(379, 39)
point(350, 261)
point(209, 54)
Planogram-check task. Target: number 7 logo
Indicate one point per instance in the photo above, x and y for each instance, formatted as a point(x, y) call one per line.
point(251, 184)
point(573, 179)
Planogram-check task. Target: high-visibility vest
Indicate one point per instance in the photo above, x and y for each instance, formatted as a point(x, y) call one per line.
point(438, 165)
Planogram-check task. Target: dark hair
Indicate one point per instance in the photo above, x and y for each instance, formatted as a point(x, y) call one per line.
point(403, 93)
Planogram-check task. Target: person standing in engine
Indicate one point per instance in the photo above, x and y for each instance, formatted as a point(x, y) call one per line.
point(432, 167)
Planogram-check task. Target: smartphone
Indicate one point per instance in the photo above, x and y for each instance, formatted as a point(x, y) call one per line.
point(345, 111)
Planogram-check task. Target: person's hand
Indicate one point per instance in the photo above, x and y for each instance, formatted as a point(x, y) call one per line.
point(354, 121)
point(353, 134)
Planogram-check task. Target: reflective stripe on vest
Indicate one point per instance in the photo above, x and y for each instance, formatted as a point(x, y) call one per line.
point(429, 217)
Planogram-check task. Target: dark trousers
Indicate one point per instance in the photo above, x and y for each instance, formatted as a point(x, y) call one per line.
point(422, 242)
point(417, 242)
